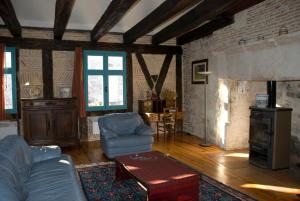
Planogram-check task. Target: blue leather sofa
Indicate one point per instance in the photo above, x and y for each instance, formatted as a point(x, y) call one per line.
point(124, 133)
point(36, 173)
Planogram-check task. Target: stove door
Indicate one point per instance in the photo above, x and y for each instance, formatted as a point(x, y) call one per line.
point(261, 129)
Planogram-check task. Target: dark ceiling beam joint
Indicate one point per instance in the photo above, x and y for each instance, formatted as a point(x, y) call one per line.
point(63, 10)
point(161, 14)
point(10, 19)
point(203, 12)
point(217, 23)
point(112, 15)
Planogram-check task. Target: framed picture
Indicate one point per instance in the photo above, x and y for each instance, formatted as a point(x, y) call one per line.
point(198, 67)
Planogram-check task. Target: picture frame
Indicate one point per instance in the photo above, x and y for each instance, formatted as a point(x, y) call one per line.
point(197, 67)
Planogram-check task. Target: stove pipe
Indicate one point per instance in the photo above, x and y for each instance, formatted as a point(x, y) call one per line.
point(271, 87)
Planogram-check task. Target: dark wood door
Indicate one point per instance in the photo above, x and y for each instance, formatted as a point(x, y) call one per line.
point(65, 127)
point(38, 127)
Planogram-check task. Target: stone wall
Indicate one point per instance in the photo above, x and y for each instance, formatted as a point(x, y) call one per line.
point(240, 71)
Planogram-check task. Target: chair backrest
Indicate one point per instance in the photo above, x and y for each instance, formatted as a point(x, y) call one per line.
point(121, 123)
point(170, 114)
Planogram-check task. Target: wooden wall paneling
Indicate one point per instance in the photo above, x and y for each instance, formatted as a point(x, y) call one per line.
point(129, 79)
point(161, 14)
point(112, 15)
point(47, 73)
point(63, 10)
point(206, 10)
point(179, 82)
point(10, 19)
point(145, 70)
point(69, 45)
point(163, 73)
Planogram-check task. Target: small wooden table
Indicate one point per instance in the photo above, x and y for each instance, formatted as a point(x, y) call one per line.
point(163, 177)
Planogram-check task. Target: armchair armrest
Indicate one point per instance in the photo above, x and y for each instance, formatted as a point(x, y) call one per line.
point(44, 152)
point(144, 130)
point(107, 134)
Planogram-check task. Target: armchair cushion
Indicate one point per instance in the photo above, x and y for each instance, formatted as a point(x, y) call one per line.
point(44, 153)
point(121, 123)
point(108, 134)
point(144, 130)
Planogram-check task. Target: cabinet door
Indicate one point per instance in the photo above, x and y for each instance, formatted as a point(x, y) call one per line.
point(37, 127)
point(65, 127)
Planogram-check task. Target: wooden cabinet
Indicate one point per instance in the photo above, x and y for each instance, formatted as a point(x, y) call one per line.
point(50, 121)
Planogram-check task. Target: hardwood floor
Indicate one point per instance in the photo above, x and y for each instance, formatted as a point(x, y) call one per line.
point(229, 167)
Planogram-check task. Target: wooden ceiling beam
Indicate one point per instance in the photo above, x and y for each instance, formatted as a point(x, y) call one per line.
point(242, 5)
point(10, 19)
point(113, 14)
point(219, 22)
point(206, 29)
point(63, 10)
point(203, 12)
point(69, 45)
point(161, 14)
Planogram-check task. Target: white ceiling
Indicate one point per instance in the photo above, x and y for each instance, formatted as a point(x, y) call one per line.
point(85, 14)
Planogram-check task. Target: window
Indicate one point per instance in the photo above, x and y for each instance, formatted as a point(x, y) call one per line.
point(105, 80)
point(10, 81)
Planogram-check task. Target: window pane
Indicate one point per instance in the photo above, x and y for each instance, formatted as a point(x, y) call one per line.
point(8, 98)
point(7, 60)
point(115, 63)
point(115, 90)
point(95, 90)
point(95, 62)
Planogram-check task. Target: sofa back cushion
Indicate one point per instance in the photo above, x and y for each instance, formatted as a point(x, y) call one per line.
point(121, 123)
point(11, 186)
point(16, 150)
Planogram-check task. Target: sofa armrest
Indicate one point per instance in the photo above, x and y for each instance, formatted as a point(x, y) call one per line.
point(144, 130)
point(108, 134)
point(41, 153)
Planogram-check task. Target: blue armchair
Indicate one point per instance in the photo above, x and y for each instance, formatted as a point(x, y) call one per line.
point(124, 133)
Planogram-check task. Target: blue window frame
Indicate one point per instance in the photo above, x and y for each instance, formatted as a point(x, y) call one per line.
point(10, 96)
point(104, 80)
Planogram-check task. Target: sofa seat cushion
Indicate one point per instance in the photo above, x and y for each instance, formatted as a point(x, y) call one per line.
point(11, 187)
point(129, 141)
point(54, 180)
point(15, 149)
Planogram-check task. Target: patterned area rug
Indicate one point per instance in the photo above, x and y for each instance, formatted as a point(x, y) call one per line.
point(98, 182)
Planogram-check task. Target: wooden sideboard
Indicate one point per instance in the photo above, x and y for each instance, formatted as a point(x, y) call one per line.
point(50, 121)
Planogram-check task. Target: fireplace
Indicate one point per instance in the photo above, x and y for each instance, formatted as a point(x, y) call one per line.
point(270, 134)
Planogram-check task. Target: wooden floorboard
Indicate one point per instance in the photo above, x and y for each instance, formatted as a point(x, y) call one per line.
point(228, 167)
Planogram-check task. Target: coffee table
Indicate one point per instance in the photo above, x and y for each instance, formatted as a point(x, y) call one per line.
point(163, 177)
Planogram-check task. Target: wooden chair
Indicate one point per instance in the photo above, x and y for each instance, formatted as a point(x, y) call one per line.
point(167, 122)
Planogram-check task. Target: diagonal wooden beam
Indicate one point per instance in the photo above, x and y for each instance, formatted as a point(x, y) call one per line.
point(205, 30)
point(163, 73)
point(10, 19)
point(145, 71)
point(161, 14)
point(203, 12)
point(113, 14)
point(63, 9)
